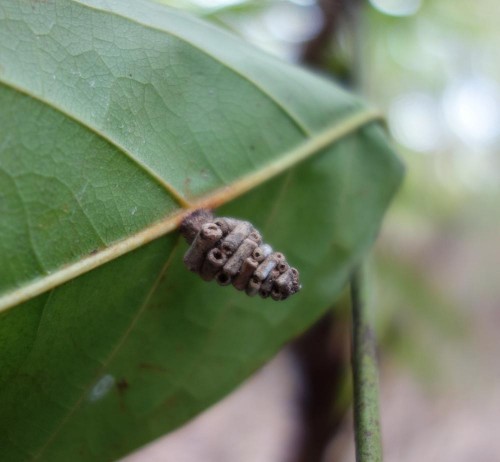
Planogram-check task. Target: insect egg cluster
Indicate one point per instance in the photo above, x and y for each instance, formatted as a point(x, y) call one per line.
point(231, 251)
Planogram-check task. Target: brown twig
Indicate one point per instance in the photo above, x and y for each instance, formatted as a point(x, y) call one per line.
point(336, 14)
point(323, 354)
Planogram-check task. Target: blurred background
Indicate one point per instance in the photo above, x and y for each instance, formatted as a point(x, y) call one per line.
point(432, 67)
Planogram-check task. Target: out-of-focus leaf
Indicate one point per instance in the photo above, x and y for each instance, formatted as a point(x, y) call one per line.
point(116, 118)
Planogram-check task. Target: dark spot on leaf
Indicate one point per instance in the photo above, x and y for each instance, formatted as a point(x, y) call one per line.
point(122, 385)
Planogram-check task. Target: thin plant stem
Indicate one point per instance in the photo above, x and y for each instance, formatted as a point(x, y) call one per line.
point(365, 376)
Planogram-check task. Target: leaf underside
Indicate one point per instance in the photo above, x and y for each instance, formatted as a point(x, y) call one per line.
point(114, 118)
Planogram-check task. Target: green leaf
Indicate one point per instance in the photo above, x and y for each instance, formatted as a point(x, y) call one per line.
point(115, 120)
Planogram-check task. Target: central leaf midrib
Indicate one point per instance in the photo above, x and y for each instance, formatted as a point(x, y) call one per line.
point(215, 199)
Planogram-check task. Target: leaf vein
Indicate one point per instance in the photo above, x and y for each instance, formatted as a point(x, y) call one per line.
point(121, 341)
point(176, 195)
point(264, 91)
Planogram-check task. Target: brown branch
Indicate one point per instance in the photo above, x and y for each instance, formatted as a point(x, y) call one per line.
point(323, 358)
point(336, 14)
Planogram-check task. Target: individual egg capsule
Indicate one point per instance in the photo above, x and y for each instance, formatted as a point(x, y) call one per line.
point(208, 235)
point(268, 265)
point(214, 261)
